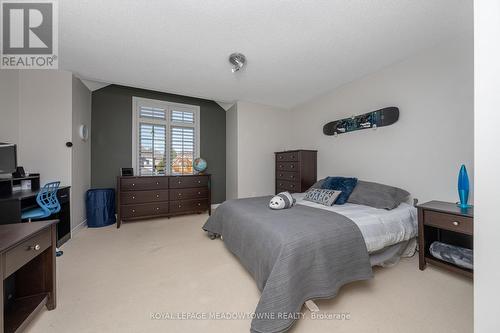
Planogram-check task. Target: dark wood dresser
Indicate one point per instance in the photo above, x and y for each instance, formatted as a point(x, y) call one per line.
point(296, 170)
point(447, 223)
point(28, 270)
point(162, 196)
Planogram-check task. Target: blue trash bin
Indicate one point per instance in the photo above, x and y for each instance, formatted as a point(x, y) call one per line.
point(100, 204)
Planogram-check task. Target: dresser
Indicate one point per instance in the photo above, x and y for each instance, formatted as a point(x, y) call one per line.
point(162, 196)
point(296, 170)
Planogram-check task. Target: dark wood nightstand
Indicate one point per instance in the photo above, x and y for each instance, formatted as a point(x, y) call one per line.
point(447, 223)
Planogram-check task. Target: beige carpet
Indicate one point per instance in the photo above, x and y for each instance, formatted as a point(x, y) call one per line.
point(112, 280)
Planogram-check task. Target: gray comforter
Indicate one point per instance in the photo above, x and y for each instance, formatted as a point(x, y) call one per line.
point(294, 255)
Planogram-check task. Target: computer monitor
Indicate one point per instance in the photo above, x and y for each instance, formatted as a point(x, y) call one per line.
point(8, 158)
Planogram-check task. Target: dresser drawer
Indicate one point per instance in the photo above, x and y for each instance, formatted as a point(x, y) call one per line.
point(188, 205)
point(287, 156)
point(150, 209)
point(135, 197)
point(286, 175)
point(136, 183)
point(21, 254)
point(144, 183)
point(287, 166)
point(188, 181)
point(450, 222)
point(160, 182)
point(292, 187)
point(189, 193)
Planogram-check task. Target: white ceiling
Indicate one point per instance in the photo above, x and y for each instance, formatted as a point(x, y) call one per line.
point(296, 49)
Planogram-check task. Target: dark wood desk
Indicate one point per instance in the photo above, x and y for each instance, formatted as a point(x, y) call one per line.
point(28, 271)
point(11, 206)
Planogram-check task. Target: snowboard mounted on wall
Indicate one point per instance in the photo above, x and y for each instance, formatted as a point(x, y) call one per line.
point(374, 119)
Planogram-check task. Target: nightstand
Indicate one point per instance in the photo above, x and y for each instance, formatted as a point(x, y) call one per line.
point(447, 223)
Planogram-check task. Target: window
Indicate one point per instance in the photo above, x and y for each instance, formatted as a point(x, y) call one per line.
point(165, 137)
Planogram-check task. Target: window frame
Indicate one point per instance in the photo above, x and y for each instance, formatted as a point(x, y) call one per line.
point(137, 102)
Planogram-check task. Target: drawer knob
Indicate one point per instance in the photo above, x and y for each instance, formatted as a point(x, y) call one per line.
point(199, 181)
point(199, 193)
point(179, 194)
point(178, 182)
point(133, 197)
point(157, 208)
point(281, 165)
point(133, 184)
point(157, 183)
point(199, 204)
point(456, 223)
point(133, 210)
point(291, 166)
point(281, 175)
point(281, 157)
point(36, 247)
point(180, 206)
point(157, 195)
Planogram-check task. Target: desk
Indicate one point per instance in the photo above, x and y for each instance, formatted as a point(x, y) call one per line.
point(12, 204)
point(28, 272)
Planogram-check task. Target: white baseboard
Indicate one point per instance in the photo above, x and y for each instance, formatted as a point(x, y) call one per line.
point(79, 227)
point(214, 206)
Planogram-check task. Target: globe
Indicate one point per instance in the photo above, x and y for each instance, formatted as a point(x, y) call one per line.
point(199, 164)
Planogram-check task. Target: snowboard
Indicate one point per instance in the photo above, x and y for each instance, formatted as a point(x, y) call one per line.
point(383, 117)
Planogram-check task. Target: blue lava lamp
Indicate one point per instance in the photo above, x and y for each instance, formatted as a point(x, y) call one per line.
point(463, 187)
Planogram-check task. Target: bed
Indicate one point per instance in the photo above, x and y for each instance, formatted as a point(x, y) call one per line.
point(309, 251)
point(388, 234)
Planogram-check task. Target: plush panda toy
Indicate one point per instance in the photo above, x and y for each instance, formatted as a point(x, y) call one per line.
point(282, 200)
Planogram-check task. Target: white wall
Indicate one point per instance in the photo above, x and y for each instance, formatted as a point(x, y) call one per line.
point(9, 105)
point(422, 152)
point(80, 152)
point(45, 124)
point(232, 152)
point(487, 165)
point(262, 130)
point(41, 110)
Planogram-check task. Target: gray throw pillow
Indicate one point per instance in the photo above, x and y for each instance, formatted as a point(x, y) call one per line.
point(322, 196)
point(377, 195)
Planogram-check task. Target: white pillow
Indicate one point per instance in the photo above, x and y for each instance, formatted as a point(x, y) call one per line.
point(322, 196)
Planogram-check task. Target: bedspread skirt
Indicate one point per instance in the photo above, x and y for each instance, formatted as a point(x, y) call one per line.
point(293, 254)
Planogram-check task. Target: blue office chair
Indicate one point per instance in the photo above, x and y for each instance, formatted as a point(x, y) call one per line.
point(47, 202)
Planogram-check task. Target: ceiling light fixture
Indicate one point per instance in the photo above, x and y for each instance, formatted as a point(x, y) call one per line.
point(238, 60)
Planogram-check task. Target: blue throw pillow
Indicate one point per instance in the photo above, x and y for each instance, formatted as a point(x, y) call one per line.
point(346, 185)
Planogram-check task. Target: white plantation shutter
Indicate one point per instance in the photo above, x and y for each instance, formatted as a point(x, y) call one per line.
point(165, 137)
point(152, 113)
point(182, 149)
point(186, 117)
point(152, 149)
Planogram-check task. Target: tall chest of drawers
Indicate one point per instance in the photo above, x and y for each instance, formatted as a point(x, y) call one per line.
point(162, 196)
point(296, 170)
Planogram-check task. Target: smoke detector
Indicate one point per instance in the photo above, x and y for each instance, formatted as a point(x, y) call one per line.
point(238, 60)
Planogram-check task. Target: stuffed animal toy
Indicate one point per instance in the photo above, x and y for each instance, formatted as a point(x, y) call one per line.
point(282, 200)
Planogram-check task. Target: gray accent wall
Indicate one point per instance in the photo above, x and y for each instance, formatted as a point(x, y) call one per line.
point(112, 135)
